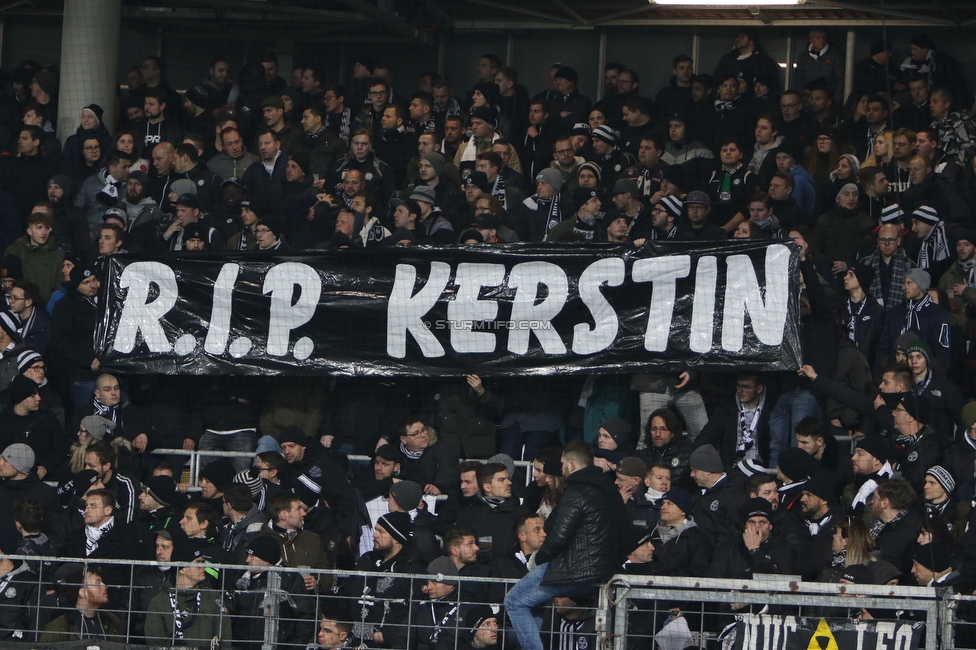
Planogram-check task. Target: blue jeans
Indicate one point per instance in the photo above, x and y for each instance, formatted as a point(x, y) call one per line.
point(530, 592)
point(244, 441)
point(790, 408)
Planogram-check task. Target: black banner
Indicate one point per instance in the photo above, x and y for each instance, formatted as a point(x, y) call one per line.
point(762, 632)
point(497, 310)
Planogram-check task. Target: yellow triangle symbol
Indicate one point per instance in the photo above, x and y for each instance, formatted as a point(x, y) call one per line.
point(823, 638)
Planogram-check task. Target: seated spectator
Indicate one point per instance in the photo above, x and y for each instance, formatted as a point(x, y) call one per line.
point(26, 421)
point(896, 526)
point(88, 593)
point(755, 550)
point(680, 548)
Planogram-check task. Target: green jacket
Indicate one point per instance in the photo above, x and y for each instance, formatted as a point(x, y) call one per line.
point(42, 264)
point(305, 549)
point(211, 621)
point(65, 628)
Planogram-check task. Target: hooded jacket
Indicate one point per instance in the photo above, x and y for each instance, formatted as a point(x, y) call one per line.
point(72, 151)
point(42, 264)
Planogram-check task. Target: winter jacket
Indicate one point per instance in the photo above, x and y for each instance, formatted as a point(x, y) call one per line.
point(683, 550)
point(67, 626)
point(734, 560)
point(377, 175)
point(937, 193)
point(964, 310)
point(18, 604)
point(234, 537)
point(915, 455)
point(42, 264)
point(389, 597)
point(896, 542)
point(71, 153)
point(437, 466)
point(721, 431)
point(296, 613)
point(266, 186)
point(581, 532)
point(31, 487)
point(495, 525)
point(716, 509)
point(211, 621)
point(466, 421)
point(933, 329)
point(226, 167)
point(828, 63)
point(39, 430)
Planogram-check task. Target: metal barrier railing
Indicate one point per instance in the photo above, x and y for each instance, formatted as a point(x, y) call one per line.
point(958, 615)
point(710, 606)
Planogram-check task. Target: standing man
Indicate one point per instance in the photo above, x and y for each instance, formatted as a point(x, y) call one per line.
point(580, 549)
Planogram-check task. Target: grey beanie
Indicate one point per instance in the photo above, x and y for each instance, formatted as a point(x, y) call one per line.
point(183, 186)
point(920, 277)
point(552, 176)
point(503, 459)
point(436, 161)
point(706, 458)
point(97, 426)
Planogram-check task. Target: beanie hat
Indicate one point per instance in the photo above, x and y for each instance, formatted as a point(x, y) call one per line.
point(47, 80)
point(796, 464)
point(272, 223)
point(859, 574)
point(943, 477)
point(904, 341)
point(161, 488)
point(633, 537)
point(185, 552)
point(20, 456)
point(625, 186)
point(583, 194)
point(265, 547)
point(273, 101)
point(503, 459)
point(96, 109)
point(706, 459)
point(757, 507)
point(923, 41)
point(10, 323)
point(551, 176)
point(83, 480)
point(307, 490)
point(293, 433)
point(80, 273)
point(62, 181)
point(11, 267)
point(140, 176)
point(679, 497)
point(821, 485)
point(301, 159)
point(489, 90)
point(406, 494)
point(966, 234)
point(477, 615)
point(892, 213)
point(593, 167)
point(864, 275)
point(398, 525)
point(436, 161)
point(580, 128)
point(969, 415)
point(632, 466)
point(618, 428)
point(478, 179)
point(920, 347)
point(875, 446)
point(920, 277)
point(675, 175)
point(27, 358)
point(936, 556)
point(750, 467)
point(567, 73)
point(844, 188)
point(880, 45)
point(605, 133)
point(218, 472)
point(672, 205)
point(926, 214)
point(444, 567)
point(20, 389)
point(907, 400)
point(98, 427)
point(855, 163)
point(194, 231)
point(423, 193)
point(250, 479)
point(486, 114)
point(183, 186)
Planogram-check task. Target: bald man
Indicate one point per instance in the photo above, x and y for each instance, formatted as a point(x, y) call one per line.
point(163, 163)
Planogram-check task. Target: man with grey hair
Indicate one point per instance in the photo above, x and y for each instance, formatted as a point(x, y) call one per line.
point(545, 209)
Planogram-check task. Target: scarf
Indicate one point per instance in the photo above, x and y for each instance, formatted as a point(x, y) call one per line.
point(935, 247)
point(182, 618)
point(653, 495)
point(108, 412)
point(499, 191)
point(553, 217)
point(93, 534)
point(912, 322)
point(746, 431)
point(966, 269)
point(815, 526)
point(585, 227)
point(438, 625)
point(815, 55)
point(870, 485)
point(852, 317)
point(412, 455)
point(244, 233)
point(342, 128)
point(493, 502)
point(840, 558)
point(722, 106)
point(725, 190)
point(879, 525)
point(895, 292)
point(932, 510)
point(471, 151)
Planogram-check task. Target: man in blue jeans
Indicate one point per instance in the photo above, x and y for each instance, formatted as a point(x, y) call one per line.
point(581, 547)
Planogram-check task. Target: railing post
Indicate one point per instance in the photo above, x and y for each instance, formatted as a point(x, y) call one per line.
point(270, 607)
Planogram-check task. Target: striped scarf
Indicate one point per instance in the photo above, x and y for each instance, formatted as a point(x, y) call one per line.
point(915, 307)
point(896, 295)
point(499, 191)
point(935, 247)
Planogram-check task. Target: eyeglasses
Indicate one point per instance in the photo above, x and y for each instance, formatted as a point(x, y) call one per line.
point(262, 469)
point(95, 148)
point(564, 151)
point(824, 138)
point(262, 231)
point(794, 105)
point(887, 240)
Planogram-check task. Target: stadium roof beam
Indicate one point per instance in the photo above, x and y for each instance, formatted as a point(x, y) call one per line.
point(517, 10)
point(385, 18)
point(569, 11)
point(814, 4)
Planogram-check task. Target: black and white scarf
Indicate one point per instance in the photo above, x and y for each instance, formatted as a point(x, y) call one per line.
point(340, 123)
point(915, 307)
point(108, 412)
point(722, 106)
point(898, 264)
point(412, 455)
point(746, 430)
point(935, 247)
point(244, 233)
point(814, 526)
point(435, 635)
point(498, 191)
point(183, 618)
point(966, 269)
point(853, 313)
point(585, 227)
point(93, 534)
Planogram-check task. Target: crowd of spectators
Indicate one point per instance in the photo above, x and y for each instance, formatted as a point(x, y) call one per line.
point(877, 190)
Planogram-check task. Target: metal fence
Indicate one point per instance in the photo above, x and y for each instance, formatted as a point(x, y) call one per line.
point(641, 611)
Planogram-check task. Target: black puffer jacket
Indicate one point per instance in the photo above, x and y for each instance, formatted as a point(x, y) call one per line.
point(677, 455)
point(581, 533)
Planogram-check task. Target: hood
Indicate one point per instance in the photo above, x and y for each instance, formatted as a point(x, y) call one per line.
point(595, 477)
point(99, 130)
